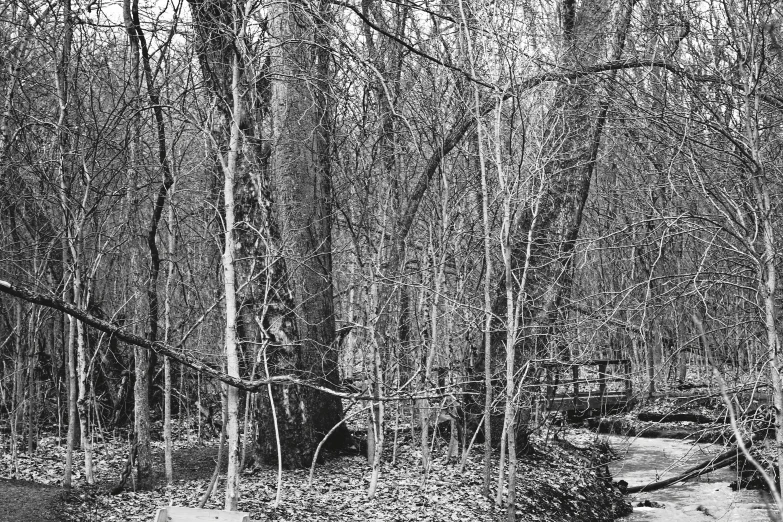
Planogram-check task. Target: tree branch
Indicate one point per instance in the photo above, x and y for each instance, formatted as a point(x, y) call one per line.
point(466, 123)
point(183, 358)
point(130, 338)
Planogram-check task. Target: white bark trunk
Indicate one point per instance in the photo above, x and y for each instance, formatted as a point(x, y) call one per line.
point(377, 409)
point(72, 397)
point(82, 402)
point(166, 361)
point(232, 359)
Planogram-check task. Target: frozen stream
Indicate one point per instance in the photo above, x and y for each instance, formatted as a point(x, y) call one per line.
point(705, 498)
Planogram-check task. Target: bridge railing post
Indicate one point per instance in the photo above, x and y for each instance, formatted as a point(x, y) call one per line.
point(628, 384)
point(601, 385)
point(551, 383)
point(575, 375)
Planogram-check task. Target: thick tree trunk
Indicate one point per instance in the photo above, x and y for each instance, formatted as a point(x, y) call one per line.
point(295, 313)
point(768, 285)
point(569, 171)
point(142, 415)
point(305, 333)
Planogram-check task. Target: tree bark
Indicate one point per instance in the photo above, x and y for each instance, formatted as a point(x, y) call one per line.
point(72, 397)
point(232, 358)
point(145, 364)
point(61, 77)
point(302, 210)
point(168, 460)
point(569, 171)
point(82, 404)
point(296, 312)
point(221, 451)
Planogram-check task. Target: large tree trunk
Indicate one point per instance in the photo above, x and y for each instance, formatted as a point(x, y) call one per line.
point(292, 303)
point(305, 332)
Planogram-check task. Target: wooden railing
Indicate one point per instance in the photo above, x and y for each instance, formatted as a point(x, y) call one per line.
point(580, 392)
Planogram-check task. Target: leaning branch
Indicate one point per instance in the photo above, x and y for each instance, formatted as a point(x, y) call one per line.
point(184, 358)
point(130, 338)
point(466, 124)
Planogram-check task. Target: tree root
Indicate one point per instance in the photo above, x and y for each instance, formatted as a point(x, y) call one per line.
point(128, 470)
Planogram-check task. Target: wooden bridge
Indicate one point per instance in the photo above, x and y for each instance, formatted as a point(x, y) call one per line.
point(588, 385)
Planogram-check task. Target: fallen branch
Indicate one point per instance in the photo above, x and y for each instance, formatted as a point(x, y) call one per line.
point(721, 461)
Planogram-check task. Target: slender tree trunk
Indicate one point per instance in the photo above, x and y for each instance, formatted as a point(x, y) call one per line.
point(221, 450)
point(16, 395)
point(32, 382)
point(72, 398)
point(82, 363)
point(169, 466)
point(140, 357)
point(377, 408)
point(232, 359)
point(487, 242)
point(144, 364)
point(511, 340)
point(649, 361)
point(61, 78)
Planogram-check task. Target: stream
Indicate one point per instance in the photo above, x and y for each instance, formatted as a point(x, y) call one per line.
point(705, 498)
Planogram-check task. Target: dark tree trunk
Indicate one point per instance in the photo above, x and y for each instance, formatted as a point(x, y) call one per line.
point(570, 168)
point(301, 185)
point(285, 193)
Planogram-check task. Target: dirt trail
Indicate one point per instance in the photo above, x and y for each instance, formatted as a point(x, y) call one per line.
point(23, 501)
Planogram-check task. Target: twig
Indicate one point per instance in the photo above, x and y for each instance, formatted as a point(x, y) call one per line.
point(277, 434)
point(329, 434)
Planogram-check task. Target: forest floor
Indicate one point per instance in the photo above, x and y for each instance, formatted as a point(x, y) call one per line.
point(557, 482)
point(26, 501)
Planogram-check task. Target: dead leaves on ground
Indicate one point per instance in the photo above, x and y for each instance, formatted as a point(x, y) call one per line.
point(553, 485)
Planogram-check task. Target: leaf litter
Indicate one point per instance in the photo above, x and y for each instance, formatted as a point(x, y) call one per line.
point(557, 482)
